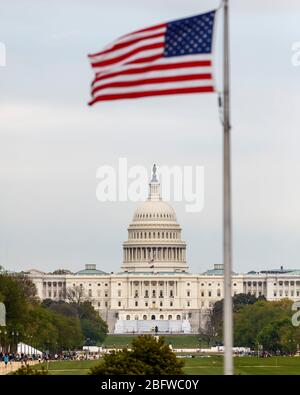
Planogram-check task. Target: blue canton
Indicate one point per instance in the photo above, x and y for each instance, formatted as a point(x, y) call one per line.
point(190, 36)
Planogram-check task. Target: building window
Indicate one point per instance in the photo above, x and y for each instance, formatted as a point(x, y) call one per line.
point(209, 294)
point(119, 293)
point(128, 317)
point(144, 317)
point(171, 304)
point(146, 304)
point(202, 294)
point(188, 303)
point(161, 317)
point(90, 293)
point(119, 304)
point(161, 304)
point(188, 293)
point(178, 317)
point(136, 304)
point(99, 304)
point(169, 317)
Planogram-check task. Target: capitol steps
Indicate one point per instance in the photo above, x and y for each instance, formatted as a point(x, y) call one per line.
point(143, 326)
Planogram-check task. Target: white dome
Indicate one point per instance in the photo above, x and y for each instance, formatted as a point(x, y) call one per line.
point(154, 211)
point(154, 236)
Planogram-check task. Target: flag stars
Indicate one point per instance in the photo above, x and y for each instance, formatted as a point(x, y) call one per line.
point(190, 36)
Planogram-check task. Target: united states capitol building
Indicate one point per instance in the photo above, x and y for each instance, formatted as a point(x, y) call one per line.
point(154, 286)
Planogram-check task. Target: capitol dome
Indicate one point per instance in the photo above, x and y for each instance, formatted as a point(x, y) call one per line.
point(154, 211)
point(154, 236)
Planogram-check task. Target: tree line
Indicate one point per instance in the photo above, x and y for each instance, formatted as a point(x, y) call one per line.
point(258, 324)
point(48, 325)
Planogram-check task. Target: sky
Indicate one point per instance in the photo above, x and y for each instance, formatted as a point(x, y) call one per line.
point(52, 143)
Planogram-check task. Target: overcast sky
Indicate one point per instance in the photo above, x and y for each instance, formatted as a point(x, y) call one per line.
point(51, 142)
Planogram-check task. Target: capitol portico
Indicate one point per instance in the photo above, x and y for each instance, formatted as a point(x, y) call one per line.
point(154, 287)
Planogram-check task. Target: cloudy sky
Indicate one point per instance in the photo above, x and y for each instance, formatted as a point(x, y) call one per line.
point(51, 142)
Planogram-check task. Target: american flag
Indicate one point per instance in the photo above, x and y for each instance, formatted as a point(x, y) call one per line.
point(166, 59)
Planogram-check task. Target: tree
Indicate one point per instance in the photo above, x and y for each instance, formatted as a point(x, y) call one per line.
point(66, 309)
point(215, 319)
point(92, 325)
point(261, 319)
point(33, 322)
point(28, 371)
point(62, 271)
point(75, 294)
point(149, 355)
point(269, 336)
point(28, 287)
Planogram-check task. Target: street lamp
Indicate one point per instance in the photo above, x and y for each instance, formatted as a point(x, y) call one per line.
point(13, 340)
point(17, 335)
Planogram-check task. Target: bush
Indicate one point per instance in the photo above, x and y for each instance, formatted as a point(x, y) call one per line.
point(28, 371)
point(149, 356)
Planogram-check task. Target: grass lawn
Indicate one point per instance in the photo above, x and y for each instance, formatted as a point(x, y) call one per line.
point(177, 341)
point(199, 366)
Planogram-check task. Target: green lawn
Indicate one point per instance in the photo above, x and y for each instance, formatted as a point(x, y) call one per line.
point(200, 366)
point(177, 341)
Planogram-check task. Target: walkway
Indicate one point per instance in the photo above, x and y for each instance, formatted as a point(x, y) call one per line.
point(12, 366)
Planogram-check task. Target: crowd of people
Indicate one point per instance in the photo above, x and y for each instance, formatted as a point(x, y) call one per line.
point(7, 358)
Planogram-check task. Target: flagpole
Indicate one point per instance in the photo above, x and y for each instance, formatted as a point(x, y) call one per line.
point(227, 243)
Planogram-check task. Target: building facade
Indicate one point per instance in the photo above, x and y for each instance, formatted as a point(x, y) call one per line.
point(154, 286)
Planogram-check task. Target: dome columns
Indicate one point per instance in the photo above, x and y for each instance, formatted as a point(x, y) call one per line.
point(168, 254)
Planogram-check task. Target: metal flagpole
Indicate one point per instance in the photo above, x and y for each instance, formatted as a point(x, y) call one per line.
point(228, 316)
